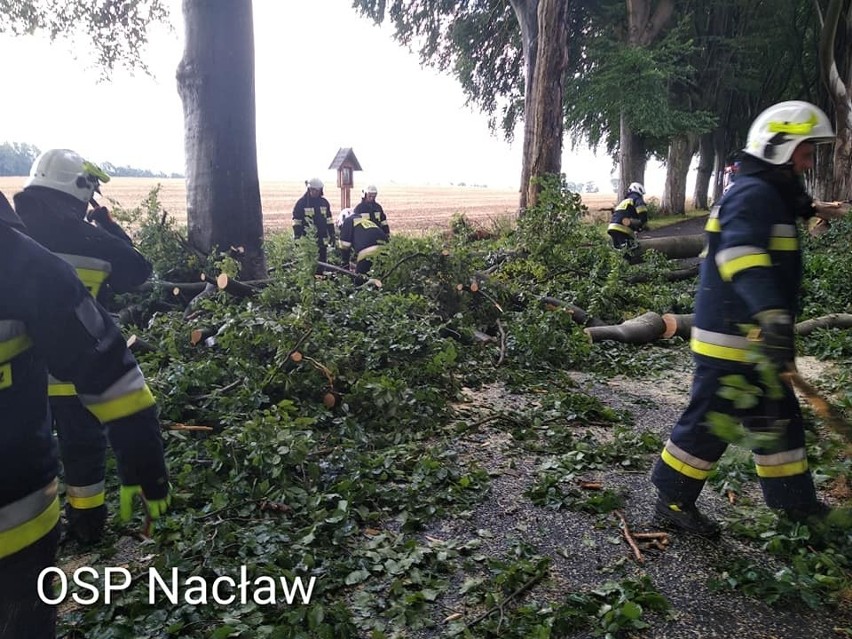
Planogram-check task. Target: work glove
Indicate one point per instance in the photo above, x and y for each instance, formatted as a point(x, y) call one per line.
point(99, 215)
point(777, 335)
point(154, 508)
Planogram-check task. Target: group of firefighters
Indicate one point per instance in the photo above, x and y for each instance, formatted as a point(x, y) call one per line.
point(65, 366)
point(363, 230)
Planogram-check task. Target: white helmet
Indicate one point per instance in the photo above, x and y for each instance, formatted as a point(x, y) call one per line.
point(636, 187)
point(343, 215)
point(315, 183)
point(66, 171)
point(370, 190)
point(776, 132)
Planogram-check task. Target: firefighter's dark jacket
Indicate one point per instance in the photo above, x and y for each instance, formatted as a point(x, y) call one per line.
point(753, 263)
point(318, 210)
point(48, 320)
point(633, 207)
point(361, 234)
point(56, 220)
point(376, 213)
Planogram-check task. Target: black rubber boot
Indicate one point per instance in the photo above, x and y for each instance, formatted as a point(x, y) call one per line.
point(86, 526)
point(686, 517)
point(815, 513)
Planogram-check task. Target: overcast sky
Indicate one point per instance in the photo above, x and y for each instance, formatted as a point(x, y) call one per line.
point(325, 78)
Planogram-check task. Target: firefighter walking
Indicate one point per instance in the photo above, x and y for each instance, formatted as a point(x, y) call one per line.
point(749, 295)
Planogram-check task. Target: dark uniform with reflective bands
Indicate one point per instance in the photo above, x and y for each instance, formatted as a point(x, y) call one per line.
point(102, 254)
point(633, 208)
point(753, 264)
point(375, 212)
point(359, 233)
point(315, 210)
point(48, 319)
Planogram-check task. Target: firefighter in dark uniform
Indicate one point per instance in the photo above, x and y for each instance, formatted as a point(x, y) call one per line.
point(53, 208)
point(313, 208)
point(629, 217)
point(749, 295)
point(49, 321)
point(360, 235)
point(373, 209)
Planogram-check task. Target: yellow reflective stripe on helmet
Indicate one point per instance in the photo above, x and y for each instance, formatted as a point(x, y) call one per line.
point(740, 258)
point(682, 467)
point(90, 168)
point(24, 522)
point(719, 345)
point(122, 406)
point(793, 128)
point(85, 497)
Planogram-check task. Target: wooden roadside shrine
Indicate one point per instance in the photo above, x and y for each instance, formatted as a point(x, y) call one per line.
point(346, 164)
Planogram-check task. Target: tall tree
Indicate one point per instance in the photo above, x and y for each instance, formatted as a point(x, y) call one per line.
point(645, 21)
point(216, 84)
point(505, 54)
point(836, 42)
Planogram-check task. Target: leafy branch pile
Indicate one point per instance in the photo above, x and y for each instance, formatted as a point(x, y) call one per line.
point(337, 438)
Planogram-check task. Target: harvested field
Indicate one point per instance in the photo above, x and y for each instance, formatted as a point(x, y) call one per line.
point(411, 209)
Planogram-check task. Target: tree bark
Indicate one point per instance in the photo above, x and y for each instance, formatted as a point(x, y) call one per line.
point(675, 247)
point(640, 330)
point(643, 27)
point(216, 84)
point(841, 96)
point(631, 157)
point(681, 150)
point(706, 158)
point(547, 89)
point(527, 13)
point(544, 33)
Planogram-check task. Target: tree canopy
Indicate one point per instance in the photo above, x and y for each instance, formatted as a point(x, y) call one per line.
point(116, 31)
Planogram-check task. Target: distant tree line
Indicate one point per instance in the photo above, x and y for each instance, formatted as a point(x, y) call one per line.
point(16, 158)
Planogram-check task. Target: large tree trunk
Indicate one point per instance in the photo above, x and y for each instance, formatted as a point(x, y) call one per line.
point(544, 32)
point(216, 84)
point(644, 23)
point(706, 158)
point(527, 13)
point(841, 95)
point(631, 157)
point(681, 150)
point(674, 247)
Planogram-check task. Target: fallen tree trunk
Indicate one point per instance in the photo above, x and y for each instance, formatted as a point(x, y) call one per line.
point(681, 325)
point(580, 316)
point(671, 276)
point(640, 330)
point(677, 325)
point(674, 247)
point(833, 320)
